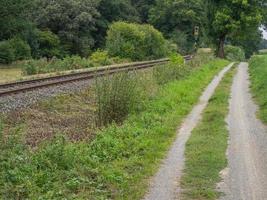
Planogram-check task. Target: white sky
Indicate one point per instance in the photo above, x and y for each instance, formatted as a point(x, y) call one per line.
point(264, 32)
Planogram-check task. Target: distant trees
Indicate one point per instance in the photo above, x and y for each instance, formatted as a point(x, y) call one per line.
point(177, 19)
point(74, 21)
point(79, 27)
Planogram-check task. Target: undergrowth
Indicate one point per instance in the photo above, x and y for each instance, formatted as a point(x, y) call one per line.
point(117, 164)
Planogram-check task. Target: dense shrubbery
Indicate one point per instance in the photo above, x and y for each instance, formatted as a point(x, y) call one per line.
point(14, 49)
point(21, 49)
point(136, 42)
point(234, 53)
point(7, 54)
point(48, 45)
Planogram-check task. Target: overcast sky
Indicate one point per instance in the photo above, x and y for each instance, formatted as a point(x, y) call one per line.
point(264, 33)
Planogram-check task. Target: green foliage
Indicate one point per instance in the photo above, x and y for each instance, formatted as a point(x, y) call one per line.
point(49, 45)
point(258, 73)
point(14, 18)
point(72, 20)
point(232, 18)
point(119, 157)
point(177, 19)
point(234, 53)
point(22, 50)
point(208, 144)
point(101, 58)
point(174, 70)
point(7, 54)
point(43, 65)
point(136, 42)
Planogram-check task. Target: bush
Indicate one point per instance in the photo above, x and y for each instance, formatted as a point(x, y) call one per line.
point(22, 50)
point(234, 53)
point(7, 54)
point(101, 58)
point(136, 42)
point(49, 45)
point(116, 97)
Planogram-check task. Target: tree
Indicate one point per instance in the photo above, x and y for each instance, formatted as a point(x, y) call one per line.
point(232, 17)
point(14, 18)
point(74, 21)
point(111, 11)
point(143, 7)
point(174, 16)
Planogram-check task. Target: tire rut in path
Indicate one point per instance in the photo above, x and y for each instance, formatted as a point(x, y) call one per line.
point(165, 185)
point(246, 176)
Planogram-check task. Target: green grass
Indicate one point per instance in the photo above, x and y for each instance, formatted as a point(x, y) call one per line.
point(258, 73)
point(117, 164)
point(206, 148)
point(10, 74)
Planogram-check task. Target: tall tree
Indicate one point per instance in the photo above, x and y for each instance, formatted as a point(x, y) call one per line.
point(174, 16)
point(143, 7)
point(110, 11)
point(232, 17)
point(14, 17)
point(72, 20)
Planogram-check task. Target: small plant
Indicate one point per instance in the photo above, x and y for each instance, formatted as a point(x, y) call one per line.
point(100, 58)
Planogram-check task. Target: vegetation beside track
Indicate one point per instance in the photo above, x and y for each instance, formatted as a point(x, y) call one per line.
point(116, 164)
point(206, 148)
point(258, 74)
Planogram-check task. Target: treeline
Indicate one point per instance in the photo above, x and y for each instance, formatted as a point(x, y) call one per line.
point(48, 28)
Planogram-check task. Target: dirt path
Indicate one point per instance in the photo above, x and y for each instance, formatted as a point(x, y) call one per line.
point(246, 177)
point(165, 185)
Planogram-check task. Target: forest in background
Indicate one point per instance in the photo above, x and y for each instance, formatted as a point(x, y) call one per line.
point(47, 28)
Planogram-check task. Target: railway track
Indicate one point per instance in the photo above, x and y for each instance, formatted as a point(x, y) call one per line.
point(29, 85)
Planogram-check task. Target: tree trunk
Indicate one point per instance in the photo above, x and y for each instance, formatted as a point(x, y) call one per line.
point(221, 47)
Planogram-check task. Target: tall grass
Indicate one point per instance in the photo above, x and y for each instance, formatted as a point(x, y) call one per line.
point(117, 96)
point(258, 74)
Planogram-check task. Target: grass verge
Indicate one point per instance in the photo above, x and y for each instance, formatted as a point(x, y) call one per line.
point(258, 74)
point(205, 150)
point(117, 164)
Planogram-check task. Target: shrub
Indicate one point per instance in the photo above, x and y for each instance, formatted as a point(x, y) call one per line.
point(49, 45)
point(234, 53)
point(116, 97)
point(100, 58)
point(136, 42)
point(7, 54)
point(22, 50)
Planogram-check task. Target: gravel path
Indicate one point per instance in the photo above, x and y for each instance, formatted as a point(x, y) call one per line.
point(246, 176)
point(165, 185)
